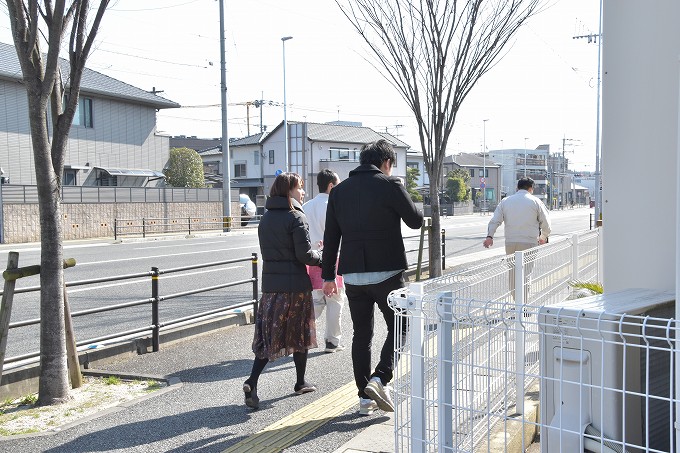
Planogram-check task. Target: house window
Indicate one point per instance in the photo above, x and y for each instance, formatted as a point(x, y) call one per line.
point(482, 173)
point(83, 116)
point(413, 165)
point(256, 157)
point(69, 178)
point(472, 172)
point(271, 156)
point(240, 170)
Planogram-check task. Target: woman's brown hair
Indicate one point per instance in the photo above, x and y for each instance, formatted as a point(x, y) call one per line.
point(283, 184)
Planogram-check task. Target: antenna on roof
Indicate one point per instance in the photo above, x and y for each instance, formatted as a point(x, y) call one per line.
point(154, 91)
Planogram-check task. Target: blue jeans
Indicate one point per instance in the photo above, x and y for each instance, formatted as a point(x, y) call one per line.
point(361, 301)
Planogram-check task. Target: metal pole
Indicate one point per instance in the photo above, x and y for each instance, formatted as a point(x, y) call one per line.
point(484, 168)
point(226, 174)
point(525, 156)
point(598, 183)
point(155, 320)
point(255, 285)
point(519, 330)
point(443, 249)
point(285, 106)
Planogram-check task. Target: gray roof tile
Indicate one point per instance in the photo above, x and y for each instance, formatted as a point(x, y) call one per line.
point(93, 82)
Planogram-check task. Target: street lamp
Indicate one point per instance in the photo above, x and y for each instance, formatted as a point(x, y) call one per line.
point(525, 156)
point(285, 108)
point(483, 180)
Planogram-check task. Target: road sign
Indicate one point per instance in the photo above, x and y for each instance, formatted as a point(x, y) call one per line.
point(482, 180)
point(278, 172)
point(482, 185)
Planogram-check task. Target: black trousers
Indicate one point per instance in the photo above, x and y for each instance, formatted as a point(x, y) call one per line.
point(361, 306)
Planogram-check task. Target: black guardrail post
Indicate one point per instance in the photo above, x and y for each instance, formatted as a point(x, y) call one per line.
point(155, 321)
point(590, 221)
point(143, 227)
point(189, 225)
point(443, 249)
point(115, 229)
point(255, 285)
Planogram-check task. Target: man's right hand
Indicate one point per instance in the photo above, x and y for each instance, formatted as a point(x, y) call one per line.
point(329, 288)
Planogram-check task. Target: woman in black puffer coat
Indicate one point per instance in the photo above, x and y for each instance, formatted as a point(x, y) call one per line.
point(284, 323)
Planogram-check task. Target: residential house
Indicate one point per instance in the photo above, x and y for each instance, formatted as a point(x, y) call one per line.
point(315, 146)
point(113, 140)
point(414, 159)
point(485, 176)
point(245, 158)
point(517, 163)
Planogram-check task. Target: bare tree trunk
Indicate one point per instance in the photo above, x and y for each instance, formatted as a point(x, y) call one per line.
point(435, 240)
point(53, 383)
point(53, 386)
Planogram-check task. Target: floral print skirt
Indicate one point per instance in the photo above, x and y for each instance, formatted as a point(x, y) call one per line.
point(284, 324)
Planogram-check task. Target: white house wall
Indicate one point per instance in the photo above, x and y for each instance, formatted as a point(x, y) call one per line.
point(122, 137)
point(246, 154)
point(640, 79)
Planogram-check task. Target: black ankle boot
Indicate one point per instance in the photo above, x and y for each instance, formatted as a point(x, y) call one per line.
point(251, 395)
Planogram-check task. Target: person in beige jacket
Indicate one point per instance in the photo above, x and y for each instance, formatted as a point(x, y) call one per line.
point(527, 222)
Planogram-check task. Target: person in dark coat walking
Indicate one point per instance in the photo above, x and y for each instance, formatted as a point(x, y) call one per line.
point(365, 212)
point(284, 323)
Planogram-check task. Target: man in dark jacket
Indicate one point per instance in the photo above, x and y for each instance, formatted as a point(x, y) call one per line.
point(365, 212)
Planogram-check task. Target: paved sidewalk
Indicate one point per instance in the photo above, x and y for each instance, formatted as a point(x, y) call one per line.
point(206, 411)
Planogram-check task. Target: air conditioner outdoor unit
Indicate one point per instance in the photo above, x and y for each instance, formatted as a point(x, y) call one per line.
point(599, 366)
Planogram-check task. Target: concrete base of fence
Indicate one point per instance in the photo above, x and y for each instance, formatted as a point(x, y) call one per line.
point(519, 431)
point(21, 381)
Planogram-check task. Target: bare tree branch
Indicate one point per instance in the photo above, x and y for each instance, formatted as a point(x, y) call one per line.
point(434, 52)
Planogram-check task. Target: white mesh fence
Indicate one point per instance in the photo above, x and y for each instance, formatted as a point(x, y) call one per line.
point(473, 344)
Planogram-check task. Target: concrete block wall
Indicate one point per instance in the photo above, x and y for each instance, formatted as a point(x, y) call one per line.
point(21, 222)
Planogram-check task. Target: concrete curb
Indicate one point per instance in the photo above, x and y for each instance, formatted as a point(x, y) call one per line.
point(23, 380)
point(172, 383)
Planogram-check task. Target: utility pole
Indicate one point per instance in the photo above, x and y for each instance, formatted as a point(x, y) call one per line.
point(562, 170)
point(598, 183)
point(226, 173)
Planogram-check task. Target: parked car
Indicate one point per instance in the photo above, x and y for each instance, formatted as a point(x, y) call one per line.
point(248, 209)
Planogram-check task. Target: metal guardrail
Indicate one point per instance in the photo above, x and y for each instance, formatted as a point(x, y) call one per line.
point(155, 226)
point(156, 324)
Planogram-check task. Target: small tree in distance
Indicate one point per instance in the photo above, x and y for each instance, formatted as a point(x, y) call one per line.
point(434, 53)
point(185, 169)
point(456, 188)
point(465, 176)
point(412, 175)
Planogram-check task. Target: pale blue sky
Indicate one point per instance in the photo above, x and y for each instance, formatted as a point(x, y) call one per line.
point(544, 89)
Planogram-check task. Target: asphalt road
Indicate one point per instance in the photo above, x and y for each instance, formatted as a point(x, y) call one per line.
point(105, 258)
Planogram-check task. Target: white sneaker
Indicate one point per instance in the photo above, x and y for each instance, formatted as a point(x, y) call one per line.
point(380, 394)
point(367, 406)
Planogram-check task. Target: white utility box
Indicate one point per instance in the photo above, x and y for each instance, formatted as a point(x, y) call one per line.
point(597, 365)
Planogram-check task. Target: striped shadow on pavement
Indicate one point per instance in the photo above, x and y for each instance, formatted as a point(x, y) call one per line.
point(297, 425)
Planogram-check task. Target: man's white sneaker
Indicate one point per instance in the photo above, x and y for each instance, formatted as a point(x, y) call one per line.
point(367, 406)
point(378, 393)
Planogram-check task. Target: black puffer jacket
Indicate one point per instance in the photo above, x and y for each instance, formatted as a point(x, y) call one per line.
point(285, 248)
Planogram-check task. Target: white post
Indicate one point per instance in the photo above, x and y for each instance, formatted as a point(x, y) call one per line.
point(445, 375)
point(416, 332)
point(519, 330)
point(674, 393)
point(574, 256)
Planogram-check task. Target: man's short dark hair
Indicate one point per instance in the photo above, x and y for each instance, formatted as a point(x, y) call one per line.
point(325, 177)
point(525, 183)
point(376, 153)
